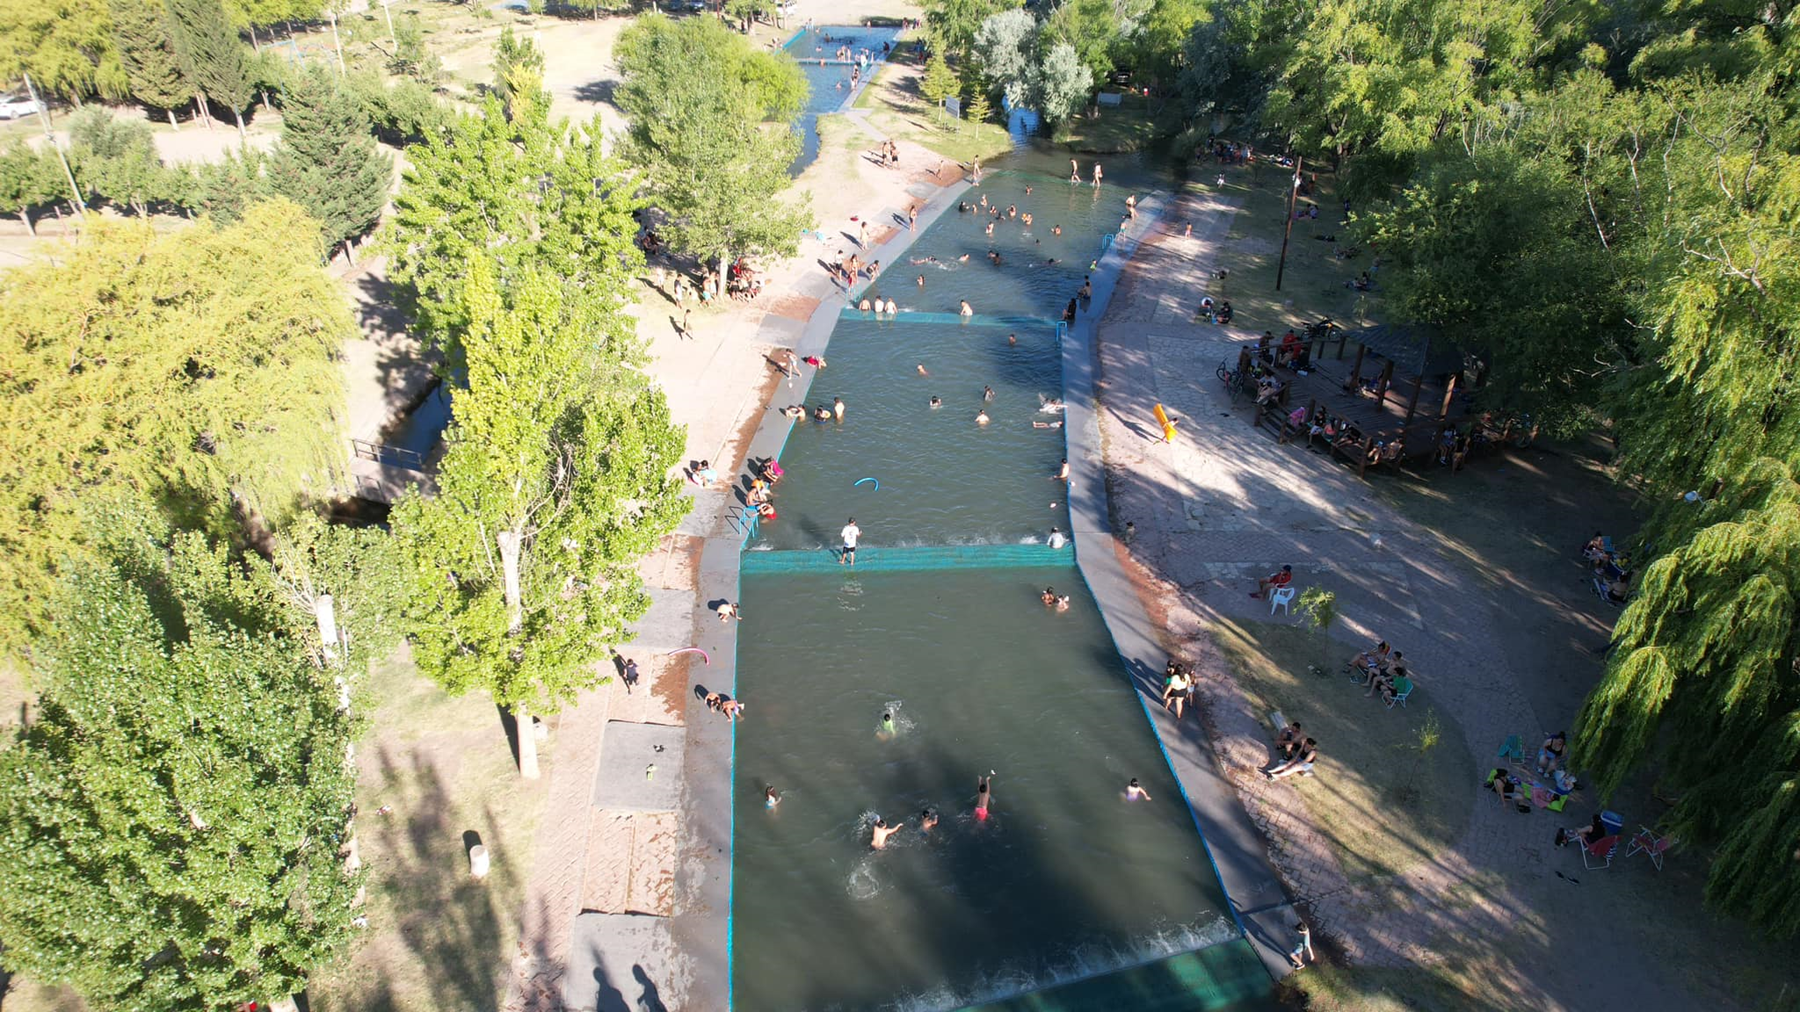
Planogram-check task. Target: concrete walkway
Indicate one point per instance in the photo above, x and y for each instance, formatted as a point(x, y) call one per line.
point(1225, 503)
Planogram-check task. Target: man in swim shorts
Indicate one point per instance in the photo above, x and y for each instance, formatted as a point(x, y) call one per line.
point(983, 796)
point(928, 820)
point(850, 533)
point(881, 833)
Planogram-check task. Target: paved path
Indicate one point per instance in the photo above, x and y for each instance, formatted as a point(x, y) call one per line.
point(1225, 503)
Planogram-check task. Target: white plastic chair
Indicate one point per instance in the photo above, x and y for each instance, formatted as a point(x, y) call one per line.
point(1279, 598)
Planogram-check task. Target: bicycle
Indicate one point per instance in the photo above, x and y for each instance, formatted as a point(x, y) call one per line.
point(1235, 382)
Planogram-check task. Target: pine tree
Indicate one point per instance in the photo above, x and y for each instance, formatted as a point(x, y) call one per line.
point(979, 110)
point(213, 58)
point(141, 35)
point(173, 816)
point(939, 82)
point(511, 56)
point(326, 160)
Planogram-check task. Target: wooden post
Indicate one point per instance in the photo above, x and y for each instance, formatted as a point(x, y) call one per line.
point(1449, 392)
point(1412, 403)
point(1382, 384)
point(1356, 370)
point(1362, 463)
point(1343, 339)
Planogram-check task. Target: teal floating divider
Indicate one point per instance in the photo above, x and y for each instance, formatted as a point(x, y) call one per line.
point(873, 559)
point(978, 320)
point(1223, 976)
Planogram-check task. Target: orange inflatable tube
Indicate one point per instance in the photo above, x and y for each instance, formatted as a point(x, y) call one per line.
point(1168, 425)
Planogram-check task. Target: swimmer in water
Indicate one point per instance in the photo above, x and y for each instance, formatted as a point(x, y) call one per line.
point(1062, 603)
point(1049, 405)
point(1135, 793)
point(887, 726)
point(822, 414)
point(881, 833)
point(921, 281)
point(1056, 230)
point(989, 229)
point(987, 393)
point(837, 407)
point(921, 368)
point(1046, 425)
point(936, 401)
point(794, 411)
point(1025, 219)
point(982, 417)
point(1012, 339)
point(1048, 596)
point(770, 798)
point(916, 261)
point(965, 309)
point(928, 820)
point(1062, 473)
point(963, 259)
point(983, 796)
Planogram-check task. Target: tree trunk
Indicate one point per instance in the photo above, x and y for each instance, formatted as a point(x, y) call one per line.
point(528, 760)
point(325, 613)
point(350, 252)
point(201, 110)
point(239, 116)
point(172, 124)
point(336, 42)
point(25, 216)
point(510, 544)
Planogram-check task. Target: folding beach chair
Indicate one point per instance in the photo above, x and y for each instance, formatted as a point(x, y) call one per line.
point(1599, 854)
point(1648, 843)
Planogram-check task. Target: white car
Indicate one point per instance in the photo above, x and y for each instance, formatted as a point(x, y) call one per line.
point(15, 106)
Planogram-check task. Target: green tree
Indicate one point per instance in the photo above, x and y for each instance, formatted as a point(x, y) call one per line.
point(951, 24)
point(555, 483)
point(173, 816)
point(710, 125)
point(979, 111)
point(748, 12)
point(200, 368)
point(512, 55)
point(65, 45)
point(141, 36)
point(326, 160)
point(939, 82)
point(412, 56)
point(1497, 252)
point(116, 160)
point(1094, 29)
point(524, 191)
point(28, 179)
point(1061, 84)
point(213, 58)
point(403, 111)
point(1005, 49)
point(227, 188)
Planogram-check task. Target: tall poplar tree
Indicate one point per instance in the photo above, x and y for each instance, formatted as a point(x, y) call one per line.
point(141, 35)
point(556, 481)
point(326, 160)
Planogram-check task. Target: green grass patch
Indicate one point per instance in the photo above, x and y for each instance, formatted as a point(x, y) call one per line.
point(1315, 283)
point(436, 938)
point(896, 108)
point(1135, 124)
point(1393, 786)
point(1326, 987)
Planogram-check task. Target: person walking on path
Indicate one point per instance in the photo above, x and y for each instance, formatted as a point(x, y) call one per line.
point(1303, 947)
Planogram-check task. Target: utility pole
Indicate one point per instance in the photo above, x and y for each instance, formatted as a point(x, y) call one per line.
point(68, 173)
point(390, 21)
point(1293, 194)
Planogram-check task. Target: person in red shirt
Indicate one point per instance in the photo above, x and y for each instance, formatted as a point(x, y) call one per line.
point(1281, 578)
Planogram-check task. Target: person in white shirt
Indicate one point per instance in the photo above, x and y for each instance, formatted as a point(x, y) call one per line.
point(851, 533)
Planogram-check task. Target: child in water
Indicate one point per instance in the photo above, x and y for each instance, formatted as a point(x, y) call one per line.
point(770, 798)
point(1135, 793)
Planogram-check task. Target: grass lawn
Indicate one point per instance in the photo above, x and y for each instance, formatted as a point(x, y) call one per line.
point(896, 108)
point(1132, 125)
point(436, 938)
point(1329, 987)
point(1394, 785)
point(1314, 283)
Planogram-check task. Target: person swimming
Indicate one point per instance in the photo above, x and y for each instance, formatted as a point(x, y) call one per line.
point(881, 832)
point(1012, 339)
point(1049, 405)
point(770, 797)
point(1062, 603)
point(921, 368)
point(965, 309)
point(987, 393)
point(936, 401)
point(928, 820)
point(1048, 596)
point(981, 417)
point(794, 411)
point(983, 796)
point(1062, 472)
point(963, 259)
point(1135, 793)
point(822, 413)
point(887, 725)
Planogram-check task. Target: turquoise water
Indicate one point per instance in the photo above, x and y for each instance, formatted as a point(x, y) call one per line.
point(944, 630)
point(945, 479)
point(831, 82)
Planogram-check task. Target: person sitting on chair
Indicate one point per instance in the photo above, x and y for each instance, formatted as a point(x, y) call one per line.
point(1396, 686)
point(1374, 657)
point(1277, 579)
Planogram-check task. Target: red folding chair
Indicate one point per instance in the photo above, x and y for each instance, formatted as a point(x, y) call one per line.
point(1599, 854)
point(1648, 843)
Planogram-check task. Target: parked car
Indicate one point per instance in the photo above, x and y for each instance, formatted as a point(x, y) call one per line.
point(16, 106)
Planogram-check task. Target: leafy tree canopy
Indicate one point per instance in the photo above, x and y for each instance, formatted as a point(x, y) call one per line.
point(65, 45)
point(199, 368)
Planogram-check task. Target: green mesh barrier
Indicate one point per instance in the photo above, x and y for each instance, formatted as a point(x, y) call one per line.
point(1227, 976)
point(874, 559)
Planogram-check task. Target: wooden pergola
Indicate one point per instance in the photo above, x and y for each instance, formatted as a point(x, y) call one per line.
point(1414, 353)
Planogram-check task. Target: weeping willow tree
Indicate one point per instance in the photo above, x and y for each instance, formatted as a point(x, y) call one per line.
point(1703, 678)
